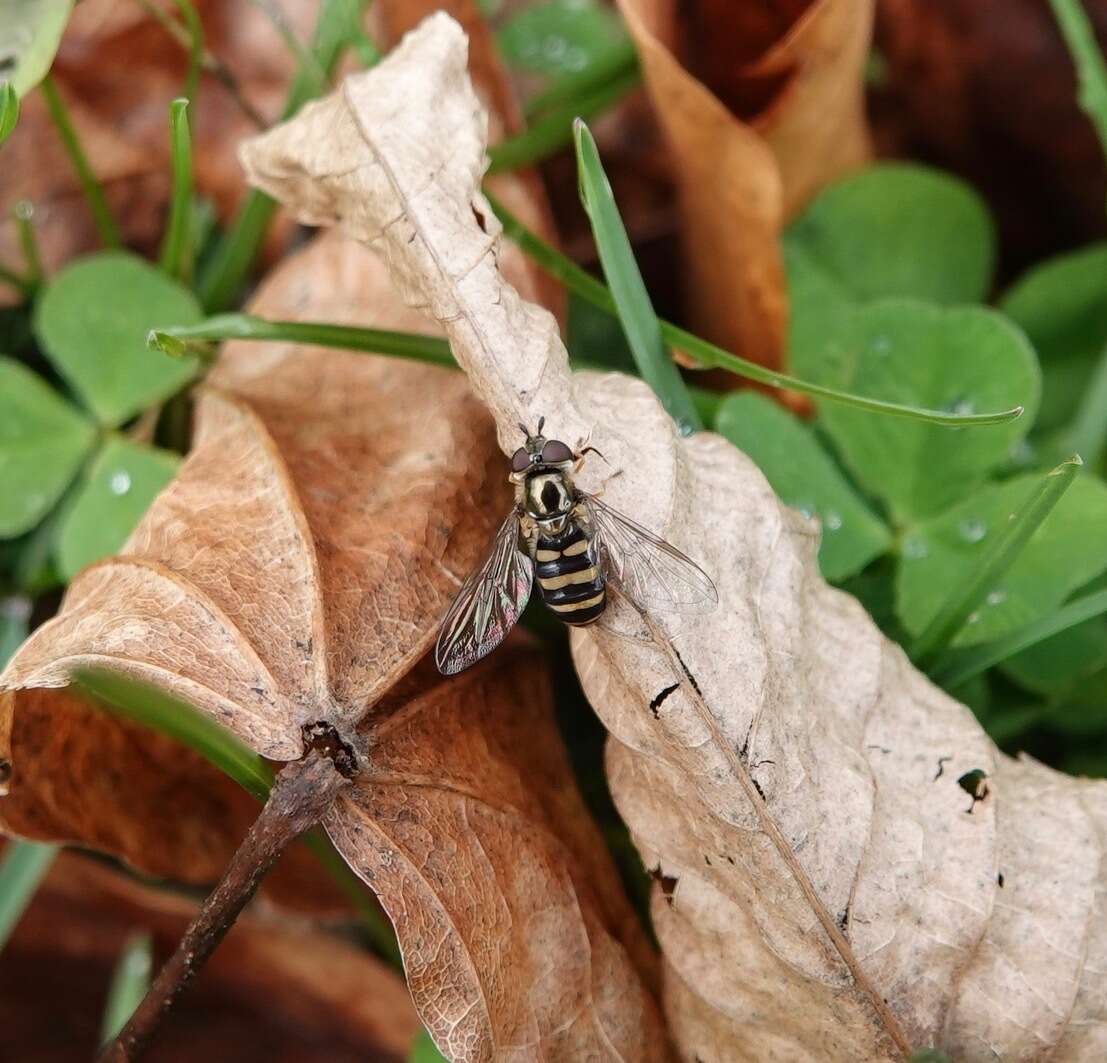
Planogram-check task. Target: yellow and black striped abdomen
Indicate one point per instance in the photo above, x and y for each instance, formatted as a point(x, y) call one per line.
point(569, 578)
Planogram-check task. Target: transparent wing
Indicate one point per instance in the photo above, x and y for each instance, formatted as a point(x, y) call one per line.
point(653, 574)
point(489, 603)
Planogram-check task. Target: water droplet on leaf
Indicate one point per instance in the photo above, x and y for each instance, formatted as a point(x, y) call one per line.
point(120, 482)
point(915, 549)
point(972, 530)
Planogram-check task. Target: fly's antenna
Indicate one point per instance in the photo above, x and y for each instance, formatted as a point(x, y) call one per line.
point(532, 438)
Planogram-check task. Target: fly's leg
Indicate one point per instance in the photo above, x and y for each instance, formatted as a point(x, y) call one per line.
point(528, 534)
point(584, 447)
point(598, 493)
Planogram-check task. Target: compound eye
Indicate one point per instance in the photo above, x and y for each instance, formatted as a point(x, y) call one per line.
point(520, 460)
point(555, 452)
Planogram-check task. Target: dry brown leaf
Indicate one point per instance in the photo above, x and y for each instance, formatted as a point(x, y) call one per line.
point(295, 571)
point(117, 70)
point(740, 180)
point(275, 991)
point(521, 190)
point(826, 892)
point(816, 128)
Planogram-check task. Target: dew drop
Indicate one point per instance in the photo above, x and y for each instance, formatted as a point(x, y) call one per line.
point(996, 597)
point(833, 520)
point(554, 48)
point(120, 482)
point(972, 530)
point(575, 59)
point(915, 549)
point(973, 618)
point(806, 508)
point(881, 345)
point(684, 426)
point(961, 407)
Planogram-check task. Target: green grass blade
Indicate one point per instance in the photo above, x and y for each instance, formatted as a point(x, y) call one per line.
point(24, 214)
point(997, 559)
point(154, 708)
point(711, 357)
point(9, 110)
point(1088, 432)
point(162, 712)
point(179, 341)
point(129, 982)
point(309, 71)
point(236, 251)
point(176, 248)
point(959, 666)
point(553, 130)
point(22, 868)
point(1091, 71)
point(90, 186)
point(632, 301)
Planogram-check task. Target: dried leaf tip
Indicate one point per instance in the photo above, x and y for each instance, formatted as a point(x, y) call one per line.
point(396, 158)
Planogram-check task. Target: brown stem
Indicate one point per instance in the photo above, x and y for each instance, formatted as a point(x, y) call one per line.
point(301, 794)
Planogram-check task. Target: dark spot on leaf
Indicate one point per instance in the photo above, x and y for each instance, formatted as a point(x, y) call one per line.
point(757, 787)
point(707, 860)
point(843, 919)
point(941, 766)
point(668, 884)
point(659, 700)
point(999, 880)
point(688, 675)
point(975, 784)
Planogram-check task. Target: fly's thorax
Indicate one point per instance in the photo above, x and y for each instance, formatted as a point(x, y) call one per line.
point(548, 495)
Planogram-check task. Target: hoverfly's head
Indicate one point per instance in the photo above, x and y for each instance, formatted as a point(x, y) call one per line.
point(539, 453)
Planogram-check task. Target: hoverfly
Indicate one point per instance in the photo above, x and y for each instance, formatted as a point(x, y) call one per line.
point(573, 546)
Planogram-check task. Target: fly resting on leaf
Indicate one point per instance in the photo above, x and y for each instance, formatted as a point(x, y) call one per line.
point(574, 545)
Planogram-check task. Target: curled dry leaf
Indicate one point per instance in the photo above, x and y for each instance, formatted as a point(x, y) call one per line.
point(740, 179)
point(274, 991)
point(826, 891)
point(296, 571)
point(522, 190)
